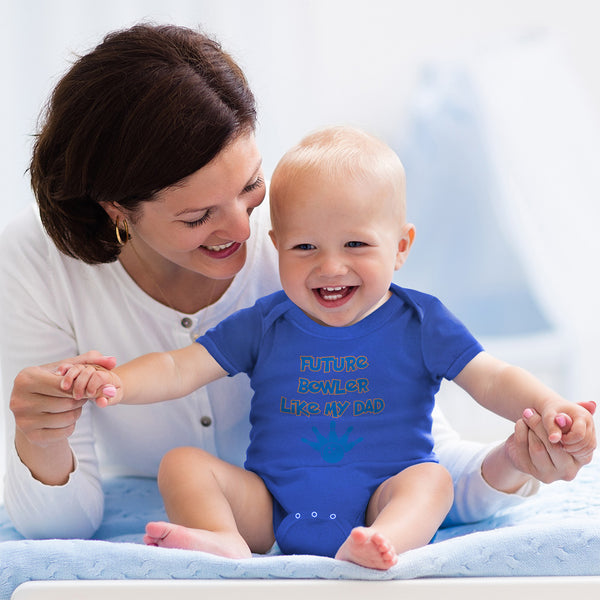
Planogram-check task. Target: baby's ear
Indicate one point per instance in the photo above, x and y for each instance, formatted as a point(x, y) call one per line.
point(404, 245)
point(273, 238)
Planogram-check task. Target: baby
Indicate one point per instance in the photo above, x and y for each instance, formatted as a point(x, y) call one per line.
point(344, 366)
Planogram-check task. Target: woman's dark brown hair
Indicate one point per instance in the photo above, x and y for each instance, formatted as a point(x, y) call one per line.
point(147, 107)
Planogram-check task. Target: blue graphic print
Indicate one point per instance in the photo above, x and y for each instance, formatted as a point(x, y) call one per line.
point(332, 448)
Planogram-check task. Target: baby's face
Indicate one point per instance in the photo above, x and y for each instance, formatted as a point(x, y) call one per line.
point(339, 243)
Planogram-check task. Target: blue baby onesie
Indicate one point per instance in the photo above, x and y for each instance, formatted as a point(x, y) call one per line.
point(338, 410)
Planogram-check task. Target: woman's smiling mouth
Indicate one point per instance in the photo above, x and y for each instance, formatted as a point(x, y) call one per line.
point(221, 250)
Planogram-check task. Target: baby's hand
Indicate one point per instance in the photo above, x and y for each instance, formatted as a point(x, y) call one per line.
point(572, 427)
point(90, 381)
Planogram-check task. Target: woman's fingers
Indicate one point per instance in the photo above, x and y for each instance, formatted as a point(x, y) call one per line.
point(45, 412)
point(45, 426)
point(589, 405)
point(549, 462)
point(94, 357)
point(529, 453)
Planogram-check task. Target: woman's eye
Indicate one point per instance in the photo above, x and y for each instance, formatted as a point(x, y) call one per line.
point(254, 185)
point(355, 244)
point(203, 219)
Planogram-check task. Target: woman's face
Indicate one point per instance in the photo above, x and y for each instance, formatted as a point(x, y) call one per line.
point(202, 223)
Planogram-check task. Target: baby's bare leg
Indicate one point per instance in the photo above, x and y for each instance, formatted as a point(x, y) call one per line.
point(213, 506)
point(404, 513)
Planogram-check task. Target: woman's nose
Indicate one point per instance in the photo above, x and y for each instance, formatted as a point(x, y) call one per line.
point(236, 223)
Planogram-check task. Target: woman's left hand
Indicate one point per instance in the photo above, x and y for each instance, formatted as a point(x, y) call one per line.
point(527, 454)
point(533, 454)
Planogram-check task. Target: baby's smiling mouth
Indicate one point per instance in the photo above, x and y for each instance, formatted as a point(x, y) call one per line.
point(332, 294)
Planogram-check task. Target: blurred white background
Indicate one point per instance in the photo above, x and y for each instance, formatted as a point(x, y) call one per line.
point(493, 105)
point(310, 62)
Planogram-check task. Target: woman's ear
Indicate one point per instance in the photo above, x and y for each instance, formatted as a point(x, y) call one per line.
point(404, 245)
point(113, 210)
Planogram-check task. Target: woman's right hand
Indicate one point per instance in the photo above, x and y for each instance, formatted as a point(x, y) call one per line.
point(45, 417)
point(44, 413)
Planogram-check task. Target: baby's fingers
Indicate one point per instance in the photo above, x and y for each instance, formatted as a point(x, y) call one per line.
point(553, 429)
point(69, 373)
point(63, 368)
point(97, 380)
point(564, 421)
point(84, 385)
point(581, 439)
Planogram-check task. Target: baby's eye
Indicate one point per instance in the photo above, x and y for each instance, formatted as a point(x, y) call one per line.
point(355, 244)
point(304, 247)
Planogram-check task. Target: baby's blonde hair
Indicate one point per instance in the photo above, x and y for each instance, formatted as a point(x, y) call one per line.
point(340, 151)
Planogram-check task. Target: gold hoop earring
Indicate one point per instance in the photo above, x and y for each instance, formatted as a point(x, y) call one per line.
point(120, 240)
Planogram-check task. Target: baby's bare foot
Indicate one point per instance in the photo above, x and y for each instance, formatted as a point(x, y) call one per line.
point(169, 535)
point(367, 548)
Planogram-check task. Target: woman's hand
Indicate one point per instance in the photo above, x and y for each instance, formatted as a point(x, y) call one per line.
point(527, 453)
point(44, 412)
point(45, 417)
point(532, 453)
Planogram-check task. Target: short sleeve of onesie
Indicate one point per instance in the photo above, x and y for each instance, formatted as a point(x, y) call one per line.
point(236, 341)
point(446, 344)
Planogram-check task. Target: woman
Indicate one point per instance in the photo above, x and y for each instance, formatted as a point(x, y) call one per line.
point(149, 187)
